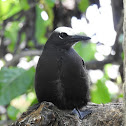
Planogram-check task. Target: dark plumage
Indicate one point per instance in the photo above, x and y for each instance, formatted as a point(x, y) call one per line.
point(61, 76)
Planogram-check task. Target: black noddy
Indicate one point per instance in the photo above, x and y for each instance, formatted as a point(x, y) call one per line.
point(61, 76)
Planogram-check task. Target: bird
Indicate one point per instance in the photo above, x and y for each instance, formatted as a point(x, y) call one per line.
point(61, 76)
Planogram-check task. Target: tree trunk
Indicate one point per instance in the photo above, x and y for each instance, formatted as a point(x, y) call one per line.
point(124, 48)
point(117, 7)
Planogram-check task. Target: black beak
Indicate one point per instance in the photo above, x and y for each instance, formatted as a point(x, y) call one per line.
point(77, 38)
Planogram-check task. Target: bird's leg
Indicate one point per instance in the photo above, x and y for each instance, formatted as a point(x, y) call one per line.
point(81, 114)
point(78, 112)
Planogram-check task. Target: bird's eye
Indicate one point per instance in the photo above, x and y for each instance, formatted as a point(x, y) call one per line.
point(63, 35)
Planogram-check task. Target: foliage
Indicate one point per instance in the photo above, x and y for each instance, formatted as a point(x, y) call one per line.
point(12, 112)
point(10, 7)
point(100, 93)
point(11, 33)
point(17, 83)
point(83, 5)
point(82, 50)
point(14, 82)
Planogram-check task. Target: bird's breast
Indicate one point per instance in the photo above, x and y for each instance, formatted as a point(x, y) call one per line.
point(58, 63)
point(72, 64)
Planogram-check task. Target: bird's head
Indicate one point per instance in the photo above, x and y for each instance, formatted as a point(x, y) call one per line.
point(65, 37)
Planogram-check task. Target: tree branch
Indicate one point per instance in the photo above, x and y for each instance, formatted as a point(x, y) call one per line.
point(99, 64)
point(17, 57)
point(45, 114)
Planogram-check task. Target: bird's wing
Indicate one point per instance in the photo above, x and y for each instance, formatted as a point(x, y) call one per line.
point(83, 63)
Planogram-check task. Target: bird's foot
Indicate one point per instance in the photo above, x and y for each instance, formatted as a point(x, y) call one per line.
point(81, 114)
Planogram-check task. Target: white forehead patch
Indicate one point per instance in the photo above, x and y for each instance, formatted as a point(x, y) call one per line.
point(67, 30)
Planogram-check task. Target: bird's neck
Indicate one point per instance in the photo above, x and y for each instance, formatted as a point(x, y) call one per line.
point(55, 47)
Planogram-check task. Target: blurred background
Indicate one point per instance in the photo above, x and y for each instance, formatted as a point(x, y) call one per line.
point(25, 25)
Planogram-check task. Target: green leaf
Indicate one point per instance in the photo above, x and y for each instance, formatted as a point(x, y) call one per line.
point(100, 93)
point(11, 34)
point(50, 3)
point(4, 7)
point(40, 26)
point(12, 112)
point(9, 8)
point(106, 70)
point(86, 51)
point(83, 5)
point(120, 95)
point(122, 55)
point(35, 101)
point(14, 82)
point(24, 4)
